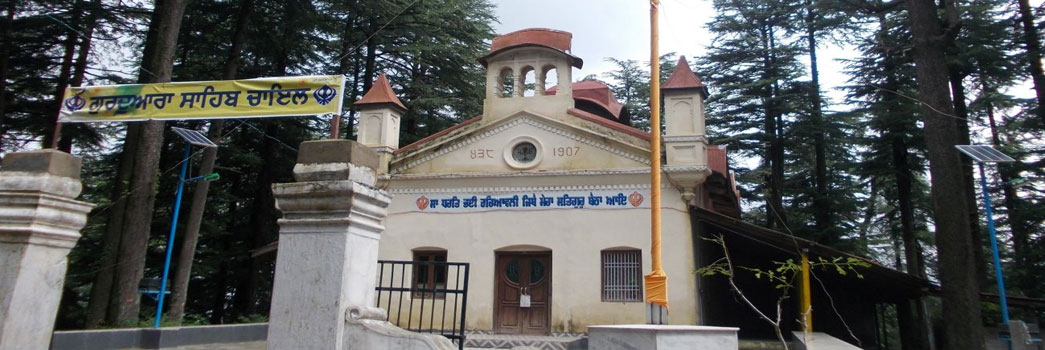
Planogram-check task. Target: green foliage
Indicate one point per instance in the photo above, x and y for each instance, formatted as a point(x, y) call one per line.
point(429, 50)
point(630, 83)
point(36, 48)
point(761, 107)
point(782, 275)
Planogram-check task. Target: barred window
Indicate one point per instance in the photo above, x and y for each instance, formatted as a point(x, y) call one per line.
point(429, 273)
point(621, 275)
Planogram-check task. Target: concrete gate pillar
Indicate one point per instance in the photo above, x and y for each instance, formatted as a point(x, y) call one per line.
point(39, 223)
point(326, 266)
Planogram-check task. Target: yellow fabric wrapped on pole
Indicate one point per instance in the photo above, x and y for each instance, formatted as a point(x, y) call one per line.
point(657, 290)
point(657, 280)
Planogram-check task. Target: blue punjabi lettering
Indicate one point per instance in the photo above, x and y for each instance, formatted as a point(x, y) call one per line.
point(619, 199)
point(471, 202)
point(567, 201)
point(550, 199)
point(159, 101)
point(282, 97)
point(594, 200)
point(191, 98)
point(209, 97)
point(489, 202)
point(452, 202)
point(125, 103)
point(510, 202)
point(255, 97)
point(529, 201)
point(215, 100)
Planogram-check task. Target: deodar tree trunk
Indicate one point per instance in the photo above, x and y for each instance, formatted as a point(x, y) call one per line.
point(156, 66)
point(1033, 44)
point(821, 203)
point(183, 270)
point(64, 72)
point(961, 307)
point(5, 49)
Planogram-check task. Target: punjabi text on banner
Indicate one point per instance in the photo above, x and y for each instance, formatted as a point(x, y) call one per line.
point(251, 98)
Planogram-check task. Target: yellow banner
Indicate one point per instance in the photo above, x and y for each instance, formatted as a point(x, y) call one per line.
point(251, 98)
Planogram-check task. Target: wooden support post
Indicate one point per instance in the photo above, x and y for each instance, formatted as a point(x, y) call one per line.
point(807, 296)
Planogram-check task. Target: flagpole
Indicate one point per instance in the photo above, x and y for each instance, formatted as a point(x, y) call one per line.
point(656, 280)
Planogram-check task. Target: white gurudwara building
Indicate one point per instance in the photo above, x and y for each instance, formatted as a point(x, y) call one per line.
point(543, 198)
point(547, 196)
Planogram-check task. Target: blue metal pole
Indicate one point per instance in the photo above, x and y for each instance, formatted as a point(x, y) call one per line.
point(170, 239)
point(994, 245)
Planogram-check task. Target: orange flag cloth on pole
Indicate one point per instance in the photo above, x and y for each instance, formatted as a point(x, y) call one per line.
point(656, 281)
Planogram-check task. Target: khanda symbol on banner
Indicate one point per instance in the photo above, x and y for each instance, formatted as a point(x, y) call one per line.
point(75, 103)
point(635, 199)
point(324, 95)
point(422, 202)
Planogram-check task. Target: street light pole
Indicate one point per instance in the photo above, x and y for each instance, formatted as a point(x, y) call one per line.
point(191, 138)
point(986, 154)
point(994, 244)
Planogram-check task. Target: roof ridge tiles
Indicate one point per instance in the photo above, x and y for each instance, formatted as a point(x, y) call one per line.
point(683, 77)
point(381, 93)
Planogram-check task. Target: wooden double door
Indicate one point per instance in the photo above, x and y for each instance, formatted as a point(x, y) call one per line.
point(522, 292)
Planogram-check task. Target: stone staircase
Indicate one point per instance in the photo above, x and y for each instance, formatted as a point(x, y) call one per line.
point(764, 345)
point(555, 341)
point(568, 341)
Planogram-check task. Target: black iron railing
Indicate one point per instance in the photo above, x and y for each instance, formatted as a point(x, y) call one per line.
point(425, 296)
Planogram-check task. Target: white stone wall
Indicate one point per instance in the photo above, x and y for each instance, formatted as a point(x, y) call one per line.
point(560, 146)
point(575, 236)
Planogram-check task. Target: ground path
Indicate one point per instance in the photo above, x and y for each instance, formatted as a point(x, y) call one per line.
point(254, 345)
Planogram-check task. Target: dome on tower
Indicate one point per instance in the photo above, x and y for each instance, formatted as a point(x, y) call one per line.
point(534, 37)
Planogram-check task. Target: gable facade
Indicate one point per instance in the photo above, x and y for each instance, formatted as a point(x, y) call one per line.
point(549, 203)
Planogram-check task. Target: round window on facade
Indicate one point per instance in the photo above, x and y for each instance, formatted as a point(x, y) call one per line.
point(523, 153)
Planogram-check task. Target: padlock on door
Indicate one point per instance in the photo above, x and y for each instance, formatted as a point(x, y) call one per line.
point(524, 297)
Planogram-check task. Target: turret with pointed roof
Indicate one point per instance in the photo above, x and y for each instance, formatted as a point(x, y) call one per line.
point(380, 93)
point(684, 137)
point(380, 113)
point(683, 78)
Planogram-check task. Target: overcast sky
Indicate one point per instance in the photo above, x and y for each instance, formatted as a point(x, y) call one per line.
point(620, 29)
point(611, 28)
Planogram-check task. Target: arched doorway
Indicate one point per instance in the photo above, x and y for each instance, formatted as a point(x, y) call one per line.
point(523, 290)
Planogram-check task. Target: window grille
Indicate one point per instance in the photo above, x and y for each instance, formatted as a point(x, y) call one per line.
point(622, 275)
point(430, 273)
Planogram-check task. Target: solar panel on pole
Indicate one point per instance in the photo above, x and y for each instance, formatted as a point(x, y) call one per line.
point(194, 137)
point(987, 154)
point(984, 154)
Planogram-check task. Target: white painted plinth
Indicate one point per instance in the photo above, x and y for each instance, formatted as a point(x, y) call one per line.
point(327, 260)
point(39, 223)
point(326, 266)
point(661, 337)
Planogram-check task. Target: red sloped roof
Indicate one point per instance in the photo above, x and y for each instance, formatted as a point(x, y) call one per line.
point(717, 160)
point(434, 136)
point(609, 123)
point(595, 92)
point(556, 39)
point(380, 93)
point(683, 77)
point(543, 37)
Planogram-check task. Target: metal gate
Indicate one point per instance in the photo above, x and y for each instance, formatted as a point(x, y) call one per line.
point(425, 296)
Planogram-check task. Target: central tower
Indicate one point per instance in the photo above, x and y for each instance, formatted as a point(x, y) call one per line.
point(522, 66)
